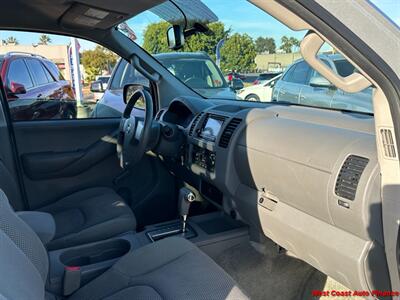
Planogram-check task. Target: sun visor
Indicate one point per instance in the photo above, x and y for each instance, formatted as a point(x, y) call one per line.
point(80, 15)
point(195, 11)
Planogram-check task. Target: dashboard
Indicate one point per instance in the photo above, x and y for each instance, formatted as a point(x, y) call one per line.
point(282, 169)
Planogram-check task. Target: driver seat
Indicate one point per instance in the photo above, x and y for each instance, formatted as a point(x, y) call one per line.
point(85, 216)
point(88, 216)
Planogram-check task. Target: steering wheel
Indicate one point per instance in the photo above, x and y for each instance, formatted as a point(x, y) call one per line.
point(134, 131)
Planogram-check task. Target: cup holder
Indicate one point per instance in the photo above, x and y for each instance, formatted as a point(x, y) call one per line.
point(93, 254)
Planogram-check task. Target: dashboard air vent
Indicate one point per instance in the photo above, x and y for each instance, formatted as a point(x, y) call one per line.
point(194, 123)
point(388, 143)
point(349, 176)
point(228, 132)
point(159, 114)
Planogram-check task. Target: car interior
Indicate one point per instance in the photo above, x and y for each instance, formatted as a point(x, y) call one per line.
point(197, 198)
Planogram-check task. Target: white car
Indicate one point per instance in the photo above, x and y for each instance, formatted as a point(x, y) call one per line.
point(260, 92)
point(104, 83)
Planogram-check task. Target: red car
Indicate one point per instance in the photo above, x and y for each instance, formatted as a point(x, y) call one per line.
point(35, 88)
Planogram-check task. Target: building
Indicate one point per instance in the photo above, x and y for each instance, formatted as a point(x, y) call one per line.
point(275, 62)
point(56, 53)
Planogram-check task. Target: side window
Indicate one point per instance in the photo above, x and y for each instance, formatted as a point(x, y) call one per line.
point(288, 74)
point(315, 74)
point(300, 73)
point(37, 71)
point(18, 73)
point(50, 77)
point(73, 67)
point(53, 70)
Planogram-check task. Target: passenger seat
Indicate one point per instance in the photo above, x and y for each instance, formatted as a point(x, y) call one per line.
point(172, 268)
point(83, 217)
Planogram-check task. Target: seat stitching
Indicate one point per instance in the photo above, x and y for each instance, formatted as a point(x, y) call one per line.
point(129, 286)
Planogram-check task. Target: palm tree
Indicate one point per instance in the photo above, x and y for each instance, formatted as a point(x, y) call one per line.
point(295, 43)
point(44, 39)
point(286, 44)
point(12, 40)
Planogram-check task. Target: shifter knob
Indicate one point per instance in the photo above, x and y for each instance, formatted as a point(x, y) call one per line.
point(190, 197)
point(186, 197)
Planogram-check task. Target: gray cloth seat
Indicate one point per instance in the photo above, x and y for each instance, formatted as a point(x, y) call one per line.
point(168, 269)
point(172, 268)
point(87, 216)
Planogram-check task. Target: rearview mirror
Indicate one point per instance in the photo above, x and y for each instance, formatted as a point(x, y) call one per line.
point(97, 87)
point(17, 88)
point(319, 81)
point(175, 37)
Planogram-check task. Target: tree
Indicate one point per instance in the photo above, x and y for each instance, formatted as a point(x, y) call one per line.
point(238, 53)
point(295, 43)
point(264, 45)
point(12, 40)
point(97, 60)
point(207, 42)
point(288, 44)
point(44, 39)
point(155, 39)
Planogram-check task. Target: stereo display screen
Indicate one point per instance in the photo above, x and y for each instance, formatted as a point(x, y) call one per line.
point(211, 129)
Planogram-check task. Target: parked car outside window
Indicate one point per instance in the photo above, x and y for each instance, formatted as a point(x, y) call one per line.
point(302, 85)
point(103, 81)
point(35, 89)
point(264, 77)
point(260, 92)
point(197, 70)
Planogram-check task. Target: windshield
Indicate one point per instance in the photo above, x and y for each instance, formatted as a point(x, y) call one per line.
point(198, 73)
point(226, 47)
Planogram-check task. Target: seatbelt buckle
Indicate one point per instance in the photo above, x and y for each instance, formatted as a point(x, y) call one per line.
point(72, 279)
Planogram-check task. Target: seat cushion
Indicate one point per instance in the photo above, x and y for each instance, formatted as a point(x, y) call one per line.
point(172, 268)
point(90, 215)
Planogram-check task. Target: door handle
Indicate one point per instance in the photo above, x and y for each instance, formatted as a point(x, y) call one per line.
point(282, 92)
point(39, 95)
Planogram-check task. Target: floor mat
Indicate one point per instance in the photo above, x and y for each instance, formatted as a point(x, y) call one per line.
point(269, 275)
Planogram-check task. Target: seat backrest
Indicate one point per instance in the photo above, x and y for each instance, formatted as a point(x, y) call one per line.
point(10, 186)
point(23, 259)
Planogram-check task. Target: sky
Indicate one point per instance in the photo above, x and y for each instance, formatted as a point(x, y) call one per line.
point(240, 15)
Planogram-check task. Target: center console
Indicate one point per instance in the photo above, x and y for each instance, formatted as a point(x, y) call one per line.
point(204, 158)
point(204, 133)
point(212, 232)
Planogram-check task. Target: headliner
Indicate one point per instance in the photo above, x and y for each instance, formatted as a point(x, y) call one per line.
point(59, 16)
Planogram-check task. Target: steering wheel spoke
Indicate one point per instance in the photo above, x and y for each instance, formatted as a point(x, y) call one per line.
point(134, 131)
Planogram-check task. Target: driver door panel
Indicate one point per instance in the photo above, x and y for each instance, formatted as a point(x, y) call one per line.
point(60, 157)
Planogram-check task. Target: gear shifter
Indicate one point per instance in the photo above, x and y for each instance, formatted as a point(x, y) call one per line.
point(186, 197)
